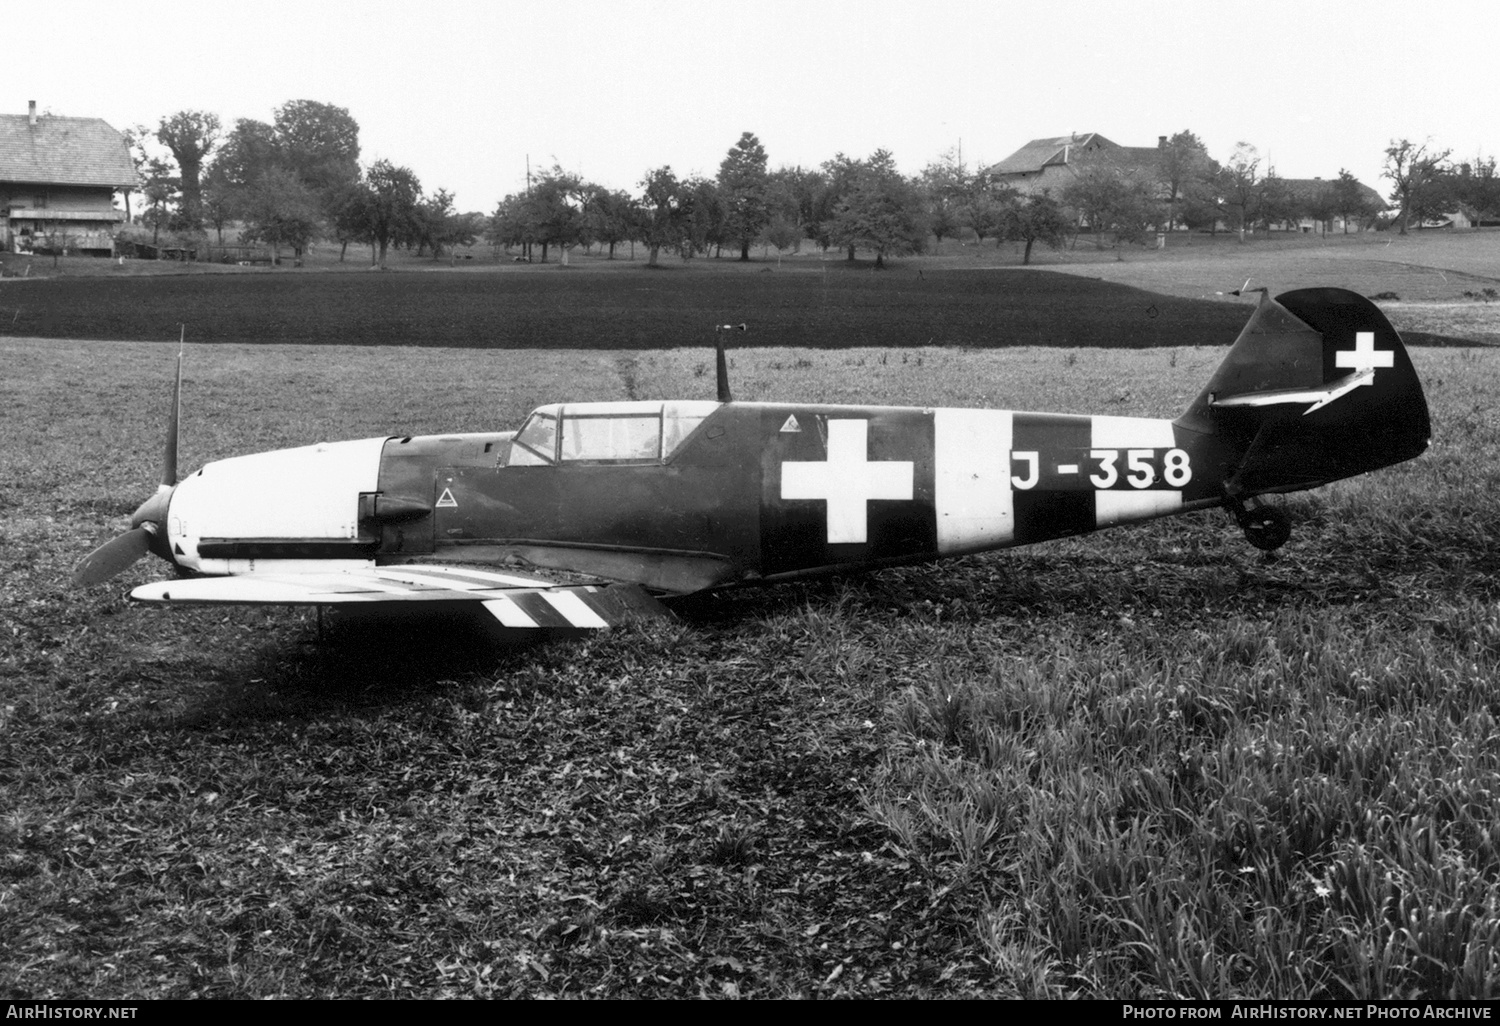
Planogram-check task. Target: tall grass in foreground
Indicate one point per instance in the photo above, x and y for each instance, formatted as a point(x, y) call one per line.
point(1293, 797)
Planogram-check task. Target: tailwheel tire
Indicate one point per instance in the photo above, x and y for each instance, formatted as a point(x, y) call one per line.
point(1267, 528)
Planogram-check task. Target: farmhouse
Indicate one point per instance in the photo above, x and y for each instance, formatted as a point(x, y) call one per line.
point(1051, 164)
point(1315, 202)
point(58, 177)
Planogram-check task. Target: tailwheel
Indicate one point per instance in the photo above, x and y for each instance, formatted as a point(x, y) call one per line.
point(1265, 527)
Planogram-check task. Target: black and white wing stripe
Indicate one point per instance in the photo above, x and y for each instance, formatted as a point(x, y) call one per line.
point(515, 600)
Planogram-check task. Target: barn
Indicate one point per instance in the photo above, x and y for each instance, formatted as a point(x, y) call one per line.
point(1049, 165)
point(58, 179)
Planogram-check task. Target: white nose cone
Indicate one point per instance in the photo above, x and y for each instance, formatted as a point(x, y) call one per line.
point(310, 493)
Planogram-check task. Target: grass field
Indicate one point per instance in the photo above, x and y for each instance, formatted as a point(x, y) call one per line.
point(1446, 288)
point(1148, 762)
point(620, 307)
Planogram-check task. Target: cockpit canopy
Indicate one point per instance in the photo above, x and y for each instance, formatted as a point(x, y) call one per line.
point(634, 432)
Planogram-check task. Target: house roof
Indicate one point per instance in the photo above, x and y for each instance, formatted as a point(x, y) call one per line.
point(1038, 153)
point(1065, 149)
point(64, 151)
point(1306, 188)
point(1138, 156)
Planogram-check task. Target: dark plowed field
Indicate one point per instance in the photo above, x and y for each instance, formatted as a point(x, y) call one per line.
point(620, 308)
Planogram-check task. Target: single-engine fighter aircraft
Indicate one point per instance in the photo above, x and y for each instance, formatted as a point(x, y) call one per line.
point(670, 497)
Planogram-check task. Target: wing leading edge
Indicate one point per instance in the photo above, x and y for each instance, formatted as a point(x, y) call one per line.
point(515, 600)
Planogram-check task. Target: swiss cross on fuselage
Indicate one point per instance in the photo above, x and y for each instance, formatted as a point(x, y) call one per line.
point(847, 481)
point(1364, 356)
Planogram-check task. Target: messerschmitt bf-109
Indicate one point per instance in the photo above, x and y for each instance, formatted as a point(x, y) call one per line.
point(664, 498)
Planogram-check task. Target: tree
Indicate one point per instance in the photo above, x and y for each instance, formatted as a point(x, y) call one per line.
point(551, 211)
point(245, 154)
point(794, 196)
point(508, 225)
point(279, 210)
point(705, 217)
point(1414, 172)
point(1474, 184)
point(221, 206)
point(161, 189)
point(1203, 203)
point(438, 226)
point(1094, 194)
point(554, 211)
point(1182, 164)
point(1114, 199)
point(662, 213)
point(1242, 190)
point(349, 215)
point(949, 189)
point(1137, 211)
point(1320, 204)
point(191, 136)
point(319, 143)
point(743, 182)
point(883, 212)
point(390, 204)
point(612, 218)
point(838, 180)
point(781, 233)
point(1038, 218)
point(1277, 202)
point(250, 149)
point(986, 214)
point(1348, 198)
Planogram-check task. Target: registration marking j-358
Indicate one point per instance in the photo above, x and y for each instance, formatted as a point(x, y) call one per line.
point(1112, 469)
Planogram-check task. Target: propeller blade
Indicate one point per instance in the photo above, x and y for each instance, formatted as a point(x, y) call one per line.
point(112, 557)
point(169, 457)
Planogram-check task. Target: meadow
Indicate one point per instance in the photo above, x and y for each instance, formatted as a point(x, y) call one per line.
point(620, 306)
point(1150, 762)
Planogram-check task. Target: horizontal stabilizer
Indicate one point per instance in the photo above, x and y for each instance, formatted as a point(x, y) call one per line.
point(1317, 397)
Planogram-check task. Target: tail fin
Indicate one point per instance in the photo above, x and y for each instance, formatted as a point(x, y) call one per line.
point(1317, 387)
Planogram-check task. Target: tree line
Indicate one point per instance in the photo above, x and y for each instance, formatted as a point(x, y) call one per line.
point(1427, 184)
point(846, 203)
point(289, 181)
point(298, 177)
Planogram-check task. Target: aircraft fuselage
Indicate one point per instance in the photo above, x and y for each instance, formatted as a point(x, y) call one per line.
point(753, 491)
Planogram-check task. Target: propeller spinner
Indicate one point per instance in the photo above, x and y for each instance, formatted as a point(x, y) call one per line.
point(148, 525)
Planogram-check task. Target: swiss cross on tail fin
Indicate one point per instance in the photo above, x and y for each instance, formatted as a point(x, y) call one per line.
point(1364, 355)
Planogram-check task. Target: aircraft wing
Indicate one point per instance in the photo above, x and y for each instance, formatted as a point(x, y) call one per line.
point(515, 600)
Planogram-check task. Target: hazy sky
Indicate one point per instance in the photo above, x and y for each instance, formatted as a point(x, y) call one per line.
point(463, 91)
